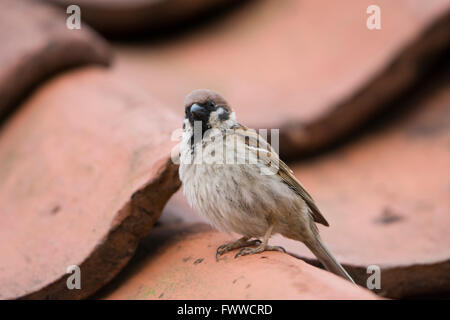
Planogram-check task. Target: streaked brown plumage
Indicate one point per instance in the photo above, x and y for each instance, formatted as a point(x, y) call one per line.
point(256, 195)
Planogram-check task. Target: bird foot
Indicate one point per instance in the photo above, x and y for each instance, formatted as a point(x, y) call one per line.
point(235, 245)
point(249, 251)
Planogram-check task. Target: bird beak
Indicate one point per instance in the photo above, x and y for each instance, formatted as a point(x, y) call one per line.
point(198, 112)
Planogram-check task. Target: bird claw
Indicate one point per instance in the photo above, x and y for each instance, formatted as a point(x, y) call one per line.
point(249, 251)
point(221, 250)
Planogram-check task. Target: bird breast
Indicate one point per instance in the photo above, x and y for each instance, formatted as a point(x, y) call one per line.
point(237, 197)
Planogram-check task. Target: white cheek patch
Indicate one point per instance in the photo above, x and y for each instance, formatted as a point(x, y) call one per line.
point(215, 121)
point(214, 118)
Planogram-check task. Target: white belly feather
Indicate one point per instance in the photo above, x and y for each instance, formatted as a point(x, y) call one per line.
point(237, 198)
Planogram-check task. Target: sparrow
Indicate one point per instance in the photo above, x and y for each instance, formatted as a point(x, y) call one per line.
point(236, 180)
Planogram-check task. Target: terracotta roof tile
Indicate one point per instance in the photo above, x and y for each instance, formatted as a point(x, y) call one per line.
point(83, 175)
point(126, 18)
point(40, 46)
point(311, 70)
point(178, 262)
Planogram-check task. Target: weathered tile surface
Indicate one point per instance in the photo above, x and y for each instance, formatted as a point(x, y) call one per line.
point(387, 198)
point(35, 43)
point(178, 262)
point(311, 68)
point(126, 18)
point(84, 173)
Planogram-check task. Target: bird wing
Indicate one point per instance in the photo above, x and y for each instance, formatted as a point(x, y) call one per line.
point(253, 139)
point(288, 177)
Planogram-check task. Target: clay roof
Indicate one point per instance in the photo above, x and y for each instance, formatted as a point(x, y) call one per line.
point(87, 179)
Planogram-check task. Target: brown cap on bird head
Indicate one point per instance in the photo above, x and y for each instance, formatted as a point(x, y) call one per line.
point(205, 96)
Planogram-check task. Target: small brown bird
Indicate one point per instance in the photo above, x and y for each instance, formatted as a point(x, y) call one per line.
point(235, 179)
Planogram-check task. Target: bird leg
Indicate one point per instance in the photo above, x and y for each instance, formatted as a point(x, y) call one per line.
point(242, 242)
point(262, 246)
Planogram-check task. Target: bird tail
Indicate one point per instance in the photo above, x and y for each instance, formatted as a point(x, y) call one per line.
point(326, 258)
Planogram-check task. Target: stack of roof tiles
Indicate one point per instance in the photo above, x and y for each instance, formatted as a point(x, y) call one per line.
point(86, 141)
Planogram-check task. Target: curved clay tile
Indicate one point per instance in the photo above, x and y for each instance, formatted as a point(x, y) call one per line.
point(35, 43)
point(84, 173)
point(312, 70)
point(178, 262)
point(125, 18)
point(387, 198)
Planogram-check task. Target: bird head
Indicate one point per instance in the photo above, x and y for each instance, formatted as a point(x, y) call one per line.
point(208, 108)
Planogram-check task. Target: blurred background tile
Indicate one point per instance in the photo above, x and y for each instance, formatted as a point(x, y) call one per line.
point(310, 68)
point(84, 173)
point(178, 262)
point(387, 196)
point(35, 43)
point(130, 18)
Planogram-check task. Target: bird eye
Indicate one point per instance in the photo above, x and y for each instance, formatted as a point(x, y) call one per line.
point(210, 104)
point(186, 110)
